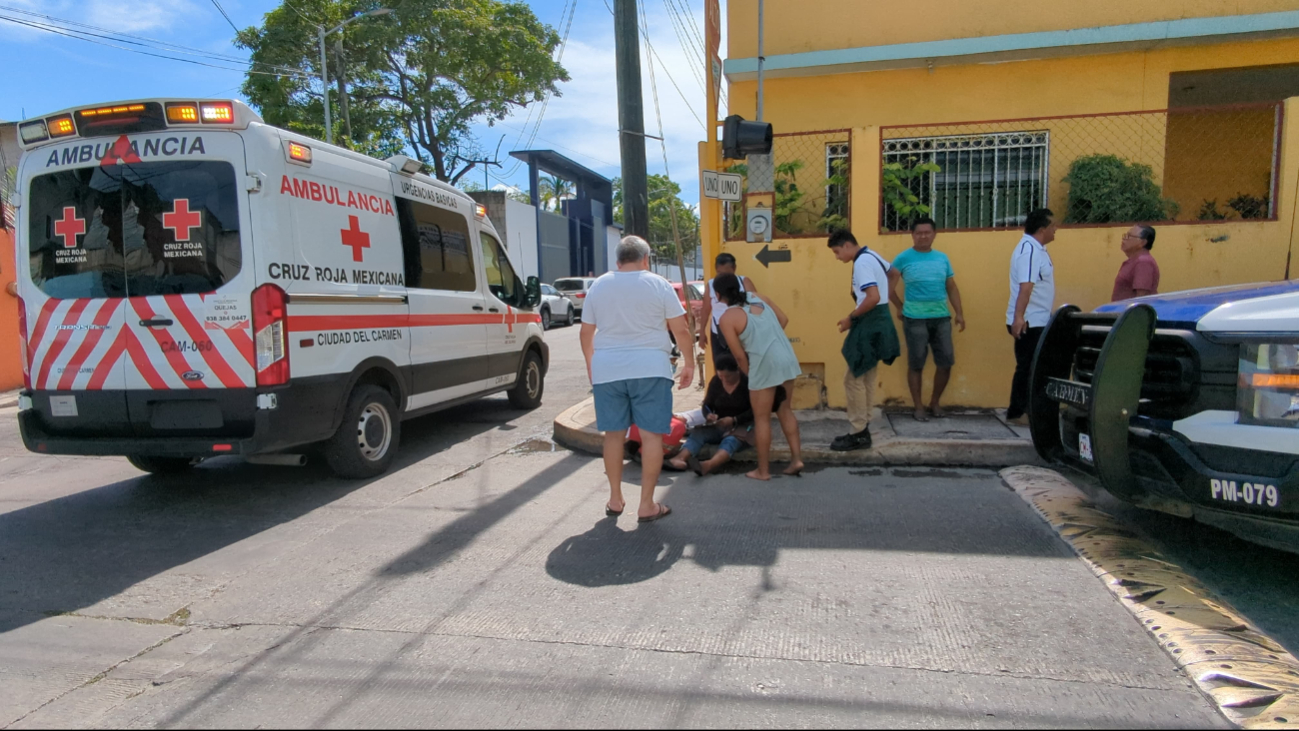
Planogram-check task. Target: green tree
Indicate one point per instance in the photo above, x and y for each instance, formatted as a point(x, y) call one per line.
point(664, 195)
point(417, 78)
point(552, 189)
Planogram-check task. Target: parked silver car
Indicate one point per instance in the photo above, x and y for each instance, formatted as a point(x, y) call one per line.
point(575, 289)
point(555, 307)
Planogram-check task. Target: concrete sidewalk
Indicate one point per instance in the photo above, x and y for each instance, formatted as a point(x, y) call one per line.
point(964, 439)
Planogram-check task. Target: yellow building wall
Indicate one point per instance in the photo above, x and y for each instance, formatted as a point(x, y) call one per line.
point(1241, 161)
point(813, 286)
point(835, 24)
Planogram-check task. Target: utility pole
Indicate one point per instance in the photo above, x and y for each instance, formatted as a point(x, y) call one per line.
point(631, 119)
point(342, 91)
point(324, 83)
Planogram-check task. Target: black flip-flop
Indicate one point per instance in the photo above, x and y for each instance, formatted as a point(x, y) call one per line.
point(664, 511)
point(609, 511)
point(695, 465)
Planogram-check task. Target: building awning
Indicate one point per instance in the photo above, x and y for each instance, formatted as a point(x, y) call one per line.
point(1021, 46)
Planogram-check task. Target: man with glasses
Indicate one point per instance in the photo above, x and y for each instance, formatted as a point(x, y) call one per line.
point(1139, 275)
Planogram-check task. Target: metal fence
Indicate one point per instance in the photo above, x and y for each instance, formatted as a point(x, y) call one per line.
point(1170, 165)
point(813, 184)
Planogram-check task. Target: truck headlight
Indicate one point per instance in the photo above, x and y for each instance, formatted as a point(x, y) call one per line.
point(1268, 392)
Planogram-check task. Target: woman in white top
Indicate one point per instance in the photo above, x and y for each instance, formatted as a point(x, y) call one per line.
point(713, 307)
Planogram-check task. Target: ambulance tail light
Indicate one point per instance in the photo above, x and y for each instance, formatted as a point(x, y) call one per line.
point(217, 112)
point(22, 344)
point(271, 328)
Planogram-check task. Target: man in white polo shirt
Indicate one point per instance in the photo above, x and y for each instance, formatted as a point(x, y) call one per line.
point(1032, 298)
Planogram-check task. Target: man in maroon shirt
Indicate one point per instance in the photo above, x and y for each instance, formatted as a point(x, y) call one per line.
point(1139, 275)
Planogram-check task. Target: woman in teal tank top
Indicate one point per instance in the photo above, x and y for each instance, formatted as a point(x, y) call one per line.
point(754, 328)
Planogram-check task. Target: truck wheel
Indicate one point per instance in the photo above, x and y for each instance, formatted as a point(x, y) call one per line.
point(545, 318)
point(366, 442)
point(161, 465)
point(526, 394)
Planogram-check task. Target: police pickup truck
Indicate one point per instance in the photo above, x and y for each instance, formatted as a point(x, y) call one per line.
point(1186, 403)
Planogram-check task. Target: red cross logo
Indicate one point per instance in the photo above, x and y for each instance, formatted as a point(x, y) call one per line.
point(182, 221)
point(121, 151)
point(354, 237)
point(69, 227)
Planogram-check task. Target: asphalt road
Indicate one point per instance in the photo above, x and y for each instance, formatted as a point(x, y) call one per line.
point(479, 584)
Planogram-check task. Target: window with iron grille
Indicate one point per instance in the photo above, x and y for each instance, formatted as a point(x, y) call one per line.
point(982, 181)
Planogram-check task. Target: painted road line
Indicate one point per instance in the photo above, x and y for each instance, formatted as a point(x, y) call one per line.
point(1248, 675)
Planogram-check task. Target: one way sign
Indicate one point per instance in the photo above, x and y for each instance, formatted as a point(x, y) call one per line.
point(724, 186)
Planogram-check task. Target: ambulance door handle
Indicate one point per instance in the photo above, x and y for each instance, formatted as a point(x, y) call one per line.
point(493, 309)
point(156, 322)
point(478, 308)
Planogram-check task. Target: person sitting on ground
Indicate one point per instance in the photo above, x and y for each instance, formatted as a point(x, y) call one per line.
point(754, 328)
point(728, 416)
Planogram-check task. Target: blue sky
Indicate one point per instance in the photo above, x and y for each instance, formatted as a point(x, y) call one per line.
point(45, 72)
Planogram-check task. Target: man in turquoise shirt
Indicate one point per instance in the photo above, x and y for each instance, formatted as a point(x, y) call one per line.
point(927, 284)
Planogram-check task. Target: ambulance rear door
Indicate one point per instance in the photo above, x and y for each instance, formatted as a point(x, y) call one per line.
point(73, 288)
point(187, 247)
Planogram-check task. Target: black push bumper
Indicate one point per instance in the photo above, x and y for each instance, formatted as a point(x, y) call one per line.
point(1094, 423)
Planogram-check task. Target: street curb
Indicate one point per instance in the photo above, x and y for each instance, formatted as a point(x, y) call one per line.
point(1251, 679)
point(887, 451)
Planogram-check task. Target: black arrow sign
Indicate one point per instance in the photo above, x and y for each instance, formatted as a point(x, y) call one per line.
point(766, 256)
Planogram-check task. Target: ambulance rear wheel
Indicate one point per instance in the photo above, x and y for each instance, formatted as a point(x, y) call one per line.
point(160, 465)
point(366, 442)
point(526, 394)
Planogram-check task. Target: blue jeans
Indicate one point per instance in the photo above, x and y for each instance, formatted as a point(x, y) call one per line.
point(703, 435)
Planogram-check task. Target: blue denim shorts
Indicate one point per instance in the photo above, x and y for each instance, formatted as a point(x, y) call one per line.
point(645, 402)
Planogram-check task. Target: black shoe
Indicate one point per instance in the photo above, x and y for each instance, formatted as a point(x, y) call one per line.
point(849, 442)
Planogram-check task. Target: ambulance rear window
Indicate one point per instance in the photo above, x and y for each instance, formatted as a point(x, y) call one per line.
point(135, 229)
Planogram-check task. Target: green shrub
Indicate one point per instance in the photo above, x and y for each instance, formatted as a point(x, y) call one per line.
point(1209, 211)
point(1109, 189)
point(1249, 206)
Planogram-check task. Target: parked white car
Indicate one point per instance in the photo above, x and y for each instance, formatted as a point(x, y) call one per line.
point(574, 289)
point(555, 307)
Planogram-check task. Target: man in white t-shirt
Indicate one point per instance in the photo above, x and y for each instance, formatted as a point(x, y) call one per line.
point(1032, 299)
point(627, 351)
point(870, 289)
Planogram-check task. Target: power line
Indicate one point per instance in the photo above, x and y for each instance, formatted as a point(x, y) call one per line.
point(645, 33)
point(563, 44)
point(63, 32)
point(67, 27)
point(224, 15)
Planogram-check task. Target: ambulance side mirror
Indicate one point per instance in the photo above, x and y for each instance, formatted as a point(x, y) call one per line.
point(533, 292)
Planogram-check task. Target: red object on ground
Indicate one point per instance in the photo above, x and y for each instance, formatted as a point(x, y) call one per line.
point(672, 439)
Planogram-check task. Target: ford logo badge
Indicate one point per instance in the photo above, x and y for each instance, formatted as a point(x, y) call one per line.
point(192, 375)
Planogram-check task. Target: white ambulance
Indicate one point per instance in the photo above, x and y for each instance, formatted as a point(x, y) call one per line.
point(196, 283)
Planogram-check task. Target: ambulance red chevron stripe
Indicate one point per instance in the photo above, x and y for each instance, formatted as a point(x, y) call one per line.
point(69, 349)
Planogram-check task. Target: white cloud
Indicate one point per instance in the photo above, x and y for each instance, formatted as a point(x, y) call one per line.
point(583, 122)
point(123, 16)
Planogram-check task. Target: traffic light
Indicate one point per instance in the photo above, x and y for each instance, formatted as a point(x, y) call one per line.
point(741, 138)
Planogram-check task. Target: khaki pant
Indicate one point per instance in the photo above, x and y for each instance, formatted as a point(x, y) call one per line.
point(861, 397)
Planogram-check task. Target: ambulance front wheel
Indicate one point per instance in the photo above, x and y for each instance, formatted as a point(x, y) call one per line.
point(526, 394)
point(366, 442)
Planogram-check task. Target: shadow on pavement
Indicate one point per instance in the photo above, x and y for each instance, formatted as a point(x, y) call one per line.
point(66, 554)
point(728, 520)
point(606, 555)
